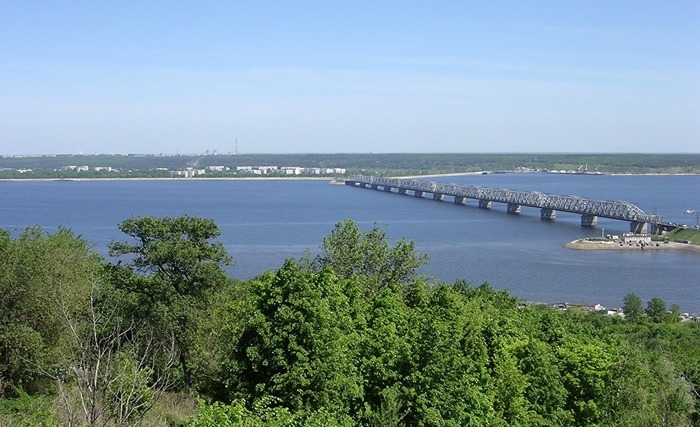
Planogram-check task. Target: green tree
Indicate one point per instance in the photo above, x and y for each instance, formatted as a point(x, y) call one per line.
point(386, 356)
point(649, 391)
point(588, 366)
point(219, 331)
point(264, 414)
point(299, 342)
point(544, 391)
point(37, 270)
point(114, 375)
point(171, 268)
point(674, 314)
point(448, 380)
point(656, 310)
point(633, 307)
point(368, 257)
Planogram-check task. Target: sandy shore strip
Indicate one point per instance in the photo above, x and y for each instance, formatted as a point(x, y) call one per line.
point(251, 178)
point(583, 244)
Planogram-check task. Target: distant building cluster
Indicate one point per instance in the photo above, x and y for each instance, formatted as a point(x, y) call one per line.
point(75, 168)
point(191, 172)
point(288, 170)
point(188, 173)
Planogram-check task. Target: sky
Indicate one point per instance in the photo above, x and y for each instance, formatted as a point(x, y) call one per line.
point(91, 77)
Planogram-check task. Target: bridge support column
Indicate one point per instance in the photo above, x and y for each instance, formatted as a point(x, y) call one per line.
point(484, 204)
point(418, 193)
point(438, 196)
point(459, 200)
point(402, 190)
point(657, 228)
point(637, 227)
point(547, 214)
point(387, 188)
point(588, 220)
point(374, 186)
point(513, 208)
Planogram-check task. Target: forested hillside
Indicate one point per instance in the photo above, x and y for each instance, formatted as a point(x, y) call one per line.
point(160, 335)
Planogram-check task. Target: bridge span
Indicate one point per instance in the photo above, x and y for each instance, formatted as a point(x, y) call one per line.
point(548, 204)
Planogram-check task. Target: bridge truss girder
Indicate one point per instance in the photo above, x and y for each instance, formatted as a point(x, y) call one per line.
point(614, 209)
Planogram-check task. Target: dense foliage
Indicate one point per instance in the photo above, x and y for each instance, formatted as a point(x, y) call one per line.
point(352, 337)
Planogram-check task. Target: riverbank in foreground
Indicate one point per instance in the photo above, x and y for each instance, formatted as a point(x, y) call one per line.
point(586, 244)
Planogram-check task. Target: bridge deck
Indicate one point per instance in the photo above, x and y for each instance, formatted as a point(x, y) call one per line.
point(614, 209)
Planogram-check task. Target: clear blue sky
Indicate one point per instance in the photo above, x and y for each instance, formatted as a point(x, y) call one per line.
point(363, 76)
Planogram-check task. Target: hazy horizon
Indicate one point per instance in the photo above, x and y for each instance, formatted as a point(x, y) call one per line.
point(505, 153)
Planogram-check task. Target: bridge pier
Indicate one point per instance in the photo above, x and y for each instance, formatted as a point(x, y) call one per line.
point(660, 228)
point(417, 193)
point(438, 196)
point(637, 227)
point(374, 187)
point(588, 220)
point(402, 190)
point(547, 214)
point(513, 208)
point(459, 200)
point(387, 188)
point(484, 204)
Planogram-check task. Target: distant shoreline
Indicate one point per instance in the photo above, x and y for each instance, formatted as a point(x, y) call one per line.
point(313, 178)
point(247, 178)
point(252, 178)
point(586, 245)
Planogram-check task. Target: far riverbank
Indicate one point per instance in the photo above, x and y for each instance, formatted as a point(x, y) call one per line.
point(326, 178)
point(251, 178)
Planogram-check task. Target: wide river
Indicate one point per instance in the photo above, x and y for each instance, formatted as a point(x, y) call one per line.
point(265, 222)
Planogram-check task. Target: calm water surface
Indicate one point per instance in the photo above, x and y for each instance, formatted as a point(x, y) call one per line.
point(265, 222)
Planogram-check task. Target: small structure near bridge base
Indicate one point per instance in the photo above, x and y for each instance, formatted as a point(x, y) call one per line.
point(632, 238)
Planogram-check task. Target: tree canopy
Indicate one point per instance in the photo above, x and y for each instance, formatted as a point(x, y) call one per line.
point(172, 267)
point(42, 277)
point(368, 256)
point(355, 337)
point(633, 307)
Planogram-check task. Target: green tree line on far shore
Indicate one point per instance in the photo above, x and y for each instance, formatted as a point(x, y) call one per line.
point(387, 164)
point(160, 334)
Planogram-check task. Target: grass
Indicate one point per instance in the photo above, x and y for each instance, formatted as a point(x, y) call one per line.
point(26, 410)
point(687, 234)
point(171, 409)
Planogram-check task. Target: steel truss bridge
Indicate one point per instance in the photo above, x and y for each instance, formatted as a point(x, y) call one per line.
point(548, 204)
